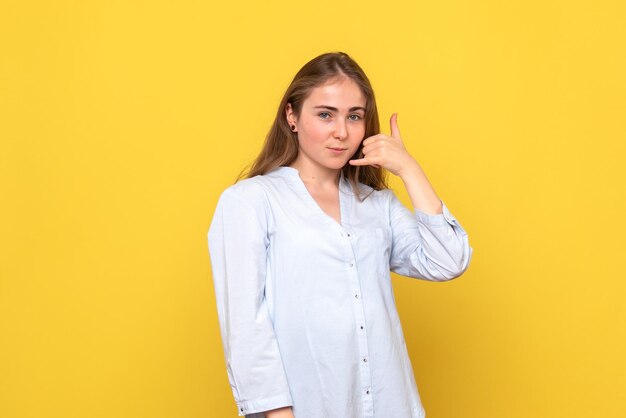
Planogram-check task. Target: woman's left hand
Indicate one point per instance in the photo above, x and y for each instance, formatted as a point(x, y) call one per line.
point(386, 151)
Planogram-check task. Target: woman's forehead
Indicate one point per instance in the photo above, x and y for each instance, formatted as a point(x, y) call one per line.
point(339, 92)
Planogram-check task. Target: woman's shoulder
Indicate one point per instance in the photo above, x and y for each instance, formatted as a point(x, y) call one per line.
point(251, 190)
point(255, 191)
point(262, 183)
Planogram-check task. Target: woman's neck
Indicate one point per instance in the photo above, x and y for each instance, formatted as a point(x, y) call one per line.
point(320, 176)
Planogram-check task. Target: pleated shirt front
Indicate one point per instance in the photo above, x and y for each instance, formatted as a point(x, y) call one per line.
point(305, 305)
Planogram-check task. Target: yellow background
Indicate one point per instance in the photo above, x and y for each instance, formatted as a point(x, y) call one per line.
point(122, 121)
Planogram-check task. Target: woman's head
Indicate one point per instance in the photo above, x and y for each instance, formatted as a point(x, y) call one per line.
point(281, 146)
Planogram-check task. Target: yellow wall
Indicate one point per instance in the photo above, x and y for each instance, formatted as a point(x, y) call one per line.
point(122, 121)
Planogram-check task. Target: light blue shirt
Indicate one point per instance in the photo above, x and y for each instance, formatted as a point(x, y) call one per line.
point(306, 307)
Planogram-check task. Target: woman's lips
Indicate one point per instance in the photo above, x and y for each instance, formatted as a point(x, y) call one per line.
point(337, 150)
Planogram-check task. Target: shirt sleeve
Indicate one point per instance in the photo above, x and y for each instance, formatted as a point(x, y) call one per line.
point(238, 240)
point(425, 246)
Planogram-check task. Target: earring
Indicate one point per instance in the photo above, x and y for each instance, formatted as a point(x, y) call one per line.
point(293, 128)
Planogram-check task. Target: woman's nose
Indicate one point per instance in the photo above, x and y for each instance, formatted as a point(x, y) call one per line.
point(341, 129)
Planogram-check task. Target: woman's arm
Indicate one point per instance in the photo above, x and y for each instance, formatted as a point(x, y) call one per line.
point(429, 243)
point(238, 240)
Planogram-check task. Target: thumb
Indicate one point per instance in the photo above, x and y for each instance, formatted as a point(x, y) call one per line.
point(395, 131)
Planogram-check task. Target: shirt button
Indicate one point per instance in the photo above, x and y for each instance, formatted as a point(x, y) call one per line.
point(348, 235)
point(351, 265)
point(361, 326)
point(364, 359)
point(367, 391)
point(356, 296)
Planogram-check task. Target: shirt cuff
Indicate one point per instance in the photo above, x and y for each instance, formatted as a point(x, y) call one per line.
point(439, 219)
point(255, 409)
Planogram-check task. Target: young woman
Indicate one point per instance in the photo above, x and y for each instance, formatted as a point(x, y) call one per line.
point(302, 249)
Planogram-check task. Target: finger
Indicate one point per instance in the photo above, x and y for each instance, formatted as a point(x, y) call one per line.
point(366, 141)
point(371, 139)
point(395, 131)
point(381, 143)
point(360, 161)
point(371, 147)
point(363, 161)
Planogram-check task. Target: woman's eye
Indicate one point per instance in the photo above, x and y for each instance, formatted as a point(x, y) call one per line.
point(355, 117)
point(324, 115)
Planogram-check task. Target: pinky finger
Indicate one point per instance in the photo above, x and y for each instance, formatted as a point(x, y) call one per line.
point(361, 161)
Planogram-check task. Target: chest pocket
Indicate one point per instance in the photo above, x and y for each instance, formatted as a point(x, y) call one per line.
point(374, 248)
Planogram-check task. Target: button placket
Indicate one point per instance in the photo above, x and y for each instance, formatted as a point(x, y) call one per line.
point(359, 315)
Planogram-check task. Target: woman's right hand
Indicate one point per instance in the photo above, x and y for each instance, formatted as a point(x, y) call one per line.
point(285, 412)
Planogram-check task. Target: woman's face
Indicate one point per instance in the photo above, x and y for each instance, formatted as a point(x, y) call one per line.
point(331, 124)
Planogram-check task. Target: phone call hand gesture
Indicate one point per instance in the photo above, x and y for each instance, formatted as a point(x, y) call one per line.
point(386, 151)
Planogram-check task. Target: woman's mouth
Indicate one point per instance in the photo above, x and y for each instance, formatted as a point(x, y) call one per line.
point(337, 150)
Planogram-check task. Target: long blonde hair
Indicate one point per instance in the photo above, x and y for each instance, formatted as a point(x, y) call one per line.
point(281, 144)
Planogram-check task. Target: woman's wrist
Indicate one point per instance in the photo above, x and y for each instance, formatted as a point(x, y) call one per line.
point(421, 192)
point(410, 169)
point(285, 412)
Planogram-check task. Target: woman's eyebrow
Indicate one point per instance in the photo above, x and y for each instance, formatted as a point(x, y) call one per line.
point(352, 109)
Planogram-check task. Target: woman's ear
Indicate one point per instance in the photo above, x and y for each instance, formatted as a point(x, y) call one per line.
point(290, 115)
